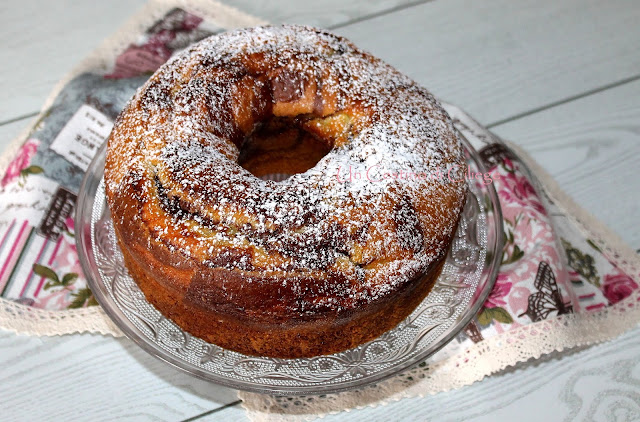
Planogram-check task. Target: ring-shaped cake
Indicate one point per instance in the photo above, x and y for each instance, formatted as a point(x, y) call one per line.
point(340, 247)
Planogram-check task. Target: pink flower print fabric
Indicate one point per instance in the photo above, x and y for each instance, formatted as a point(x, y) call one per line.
point(530, 241)
point(502, 288)
point(19, 166)
point(617, 287)
point(162, 39)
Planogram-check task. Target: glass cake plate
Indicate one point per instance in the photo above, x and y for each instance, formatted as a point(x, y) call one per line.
point(466, 280)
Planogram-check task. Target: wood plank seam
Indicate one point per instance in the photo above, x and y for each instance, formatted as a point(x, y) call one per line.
point(508, 119)
point(15, 119)
point(490, 125)
point(212, 411)
point(389, 11)
point(564, 101)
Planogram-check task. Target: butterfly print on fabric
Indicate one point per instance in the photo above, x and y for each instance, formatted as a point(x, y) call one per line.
point(548, 298)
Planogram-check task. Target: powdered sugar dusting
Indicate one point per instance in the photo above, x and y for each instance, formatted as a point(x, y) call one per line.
point(370, 216)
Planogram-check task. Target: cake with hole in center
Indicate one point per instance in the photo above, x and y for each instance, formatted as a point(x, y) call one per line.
point(279, 192)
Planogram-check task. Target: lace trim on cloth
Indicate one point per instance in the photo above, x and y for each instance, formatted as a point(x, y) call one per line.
point(479, 360)
point(476, 361)
point(586, 222)
point(33, 321)
point(102, 57)
point(41, 322)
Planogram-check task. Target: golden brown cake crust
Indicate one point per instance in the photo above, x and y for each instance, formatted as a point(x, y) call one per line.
point(329, 258)
point(311, 338)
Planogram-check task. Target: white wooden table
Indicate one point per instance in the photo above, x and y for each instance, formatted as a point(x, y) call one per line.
point(561, 79)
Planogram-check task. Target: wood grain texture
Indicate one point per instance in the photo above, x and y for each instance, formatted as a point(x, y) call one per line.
point(96, 377)
point(509, 58)
point(44, 40)
point(591, 146)
point(499, 58)
point(599, 384)
point(323, 14)
point(9, 131)
point(495, 59)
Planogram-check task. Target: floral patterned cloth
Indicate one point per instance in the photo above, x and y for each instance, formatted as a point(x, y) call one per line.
point(529, 241)
point(19, 166)
point(548, 267)
point(39, 265)
point(559, 285)
point(545, 271)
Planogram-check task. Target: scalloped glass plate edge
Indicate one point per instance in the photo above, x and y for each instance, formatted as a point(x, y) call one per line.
point(128, 309)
